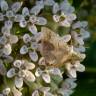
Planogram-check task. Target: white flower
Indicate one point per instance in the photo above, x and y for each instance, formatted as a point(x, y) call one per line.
point(72, 68)
point(24, 72)
point(67, 19)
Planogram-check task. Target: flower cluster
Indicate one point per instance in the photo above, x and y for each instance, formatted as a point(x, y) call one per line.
point(35, 58)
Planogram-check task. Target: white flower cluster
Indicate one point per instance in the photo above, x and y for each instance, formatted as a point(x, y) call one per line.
point(38, 57)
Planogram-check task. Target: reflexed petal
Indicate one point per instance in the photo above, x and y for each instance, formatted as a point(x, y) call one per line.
point(8, 24)
point(26, 38)
point(18, 82)
point(25, 12)
point(32, 29)
point(55, 71)
point(13, 39)
point(2, 68)
point(18, 18)
point(17, 63)
point(16, 92)
point(4, 5)
point(35, 10)
point(29, 76)
point(46, 78)
point(16, 6)
point(1, 17)
point(41, 21)
point(55, 8)
point(79, 67)
point(33, 56)
point(35, 93)
point(38, 72)
point(5, 31)
point(49, 2)
point(24, 49)
point(66, 38)
point(23, 23)
point(7, 49)
point(6, 91)
point(11, 73)
point(56, 18)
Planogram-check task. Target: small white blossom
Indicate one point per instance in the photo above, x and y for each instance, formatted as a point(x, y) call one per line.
point(72, 68)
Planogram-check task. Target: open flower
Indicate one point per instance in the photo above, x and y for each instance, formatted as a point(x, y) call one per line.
point(46, 74)
point(10, 12)
point(21, 71)
point(67, 87)
point(64, 19)
point(72, 68)
point(30, 20)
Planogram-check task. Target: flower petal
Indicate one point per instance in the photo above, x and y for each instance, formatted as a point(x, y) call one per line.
point(16, 92)
point(25, 12)
point(55, 8)
point(4, 5)
point(79, 67)
point(8, 24)
point(38, 72)
point(13, 39)
point(35, 93)
point(29, 76)
point(33, 56)
point(11, 73)
point(32, 29)
point(26, 38)
point(41, 21)
point(23, 23)
point(18, 82)
point(24, 49)
point(46, 78)
point(7, 49)
point(16, 6)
